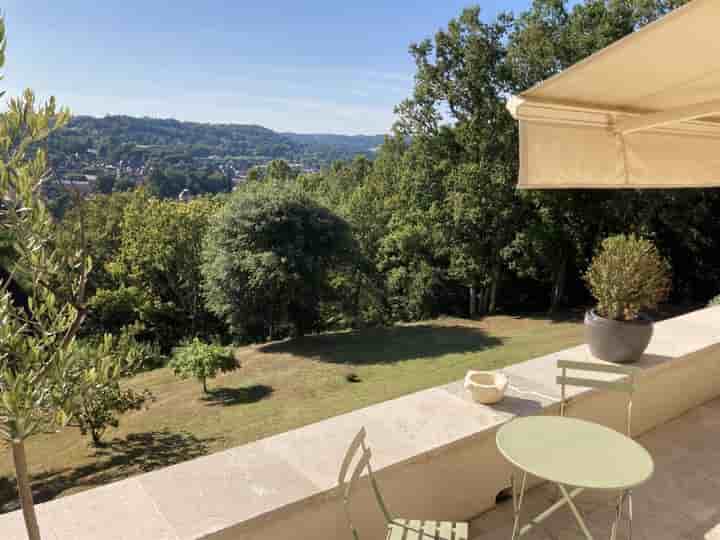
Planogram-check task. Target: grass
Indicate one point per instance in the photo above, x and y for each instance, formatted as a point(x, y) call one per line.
point(281, 386)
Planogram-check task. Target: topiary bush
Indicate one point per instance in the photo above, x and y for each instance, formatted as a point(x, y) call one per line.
point(627, 275)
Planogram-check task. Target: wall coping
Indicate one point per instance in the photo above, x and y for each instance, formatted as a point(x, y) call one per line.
point(203, 496)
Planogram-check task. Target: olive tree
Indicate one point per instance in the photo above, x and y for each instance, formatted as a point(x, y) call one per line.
point(37, 338)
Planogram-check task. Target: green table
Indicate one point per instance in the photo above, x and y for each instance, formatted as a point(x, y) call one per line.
point(573, 454)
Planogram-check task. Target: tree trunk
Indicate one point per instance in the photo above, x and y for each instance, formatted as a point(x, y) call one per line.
point(204, 383)
point(484, 299)
point(24, 490)
point(558, 290)
point(473, 301)
point(95, 437)
point(495, 285)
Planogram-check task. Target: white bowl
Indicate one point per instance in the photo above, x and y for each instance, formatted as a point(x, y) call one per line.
point(486, 386)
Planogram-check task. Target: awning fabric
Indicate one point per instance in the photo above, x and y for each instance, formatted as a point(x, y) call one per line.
point(641, 113)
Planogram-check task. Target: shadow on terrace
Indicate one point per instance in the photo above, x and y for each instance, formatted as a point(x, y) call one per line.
point(117, 459)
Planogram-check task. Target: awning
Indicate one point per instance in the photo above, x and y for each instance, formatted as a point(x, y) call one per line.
point(641, 113)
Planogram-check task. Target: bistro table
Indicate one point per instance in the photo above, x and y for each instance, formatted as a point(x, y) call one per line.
point(575, 455)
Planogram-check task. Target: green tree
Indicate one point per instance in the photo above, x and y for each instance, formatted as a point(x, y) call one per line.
point(279, 169)
point(268, 258)
point(160, 253)
point(202, 361)
point(106, 183)
point(98, 369)
point(37, 342)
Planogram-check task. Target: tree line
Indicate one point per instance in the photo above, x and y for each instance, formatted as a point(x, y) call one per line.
point(433, 224)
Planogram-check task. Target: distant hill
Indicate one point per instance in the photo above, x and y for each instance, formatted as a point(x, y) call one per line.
point(113, 138)
point(349, 143)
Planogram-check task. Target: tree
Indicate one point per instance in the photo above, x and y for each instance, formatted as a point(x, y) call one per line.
point(37, 342)
point(202, 361)
point(106, 183)
point(160, 253)
point(99, 368)
point(279, 169)
point(484, 215)
point(268, 257)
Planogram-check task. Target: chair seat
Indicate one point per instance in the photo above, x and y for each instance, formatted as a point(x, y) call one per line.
point(416, 529)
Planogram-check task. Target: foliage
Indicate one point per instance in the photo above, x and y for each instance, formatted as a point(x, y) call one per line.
point(715, 301)
point(202, 361)
point(160, 254)
point(102, 218)
point(627, 275)
point(269, 256)
point(169, 182)
point(98, 370)
point(109, 310)
point(151, 140)
point(37, 340)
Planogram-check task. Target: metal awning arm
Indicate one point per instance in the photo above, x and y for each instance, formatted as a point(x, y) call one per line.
point(681, 114)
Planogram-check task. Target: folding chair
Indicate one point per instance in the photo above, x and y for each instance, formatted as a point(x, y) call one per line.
point(625, 385)
point(397, 528)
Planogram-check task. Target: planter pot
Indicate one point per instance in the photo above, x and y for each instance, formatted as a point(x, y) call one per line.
point(617, 341)
point(486, 386)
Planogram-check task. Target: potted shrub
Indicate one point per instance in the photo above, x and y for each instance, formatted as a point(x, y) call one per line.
point(627, 276)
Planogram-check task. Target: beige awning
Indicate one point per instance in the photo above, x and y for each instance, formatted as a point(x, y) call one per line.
point(641, 113)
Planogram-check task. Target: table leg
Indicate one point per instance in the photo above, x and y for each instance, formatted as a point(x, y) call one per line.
point(630, 513)
point(618, 515)
point(517, 502)
point(576, 512)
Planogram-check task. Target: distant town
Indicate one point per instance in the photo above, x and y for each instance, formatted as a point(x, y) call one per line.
point(118, 153)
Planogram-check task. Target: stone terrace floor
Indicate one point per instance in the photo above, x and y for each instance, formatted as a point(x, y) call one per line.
point(680, 502)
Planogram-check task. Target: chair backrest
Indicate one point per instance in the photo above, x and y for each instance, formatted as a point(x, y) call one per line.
point(358, 447)
point(625, 384)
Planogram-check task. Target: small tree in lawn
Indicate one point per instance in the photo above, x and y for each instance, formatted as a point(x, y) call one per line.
point(98, 369)
point(37, 340)
point(202, 361)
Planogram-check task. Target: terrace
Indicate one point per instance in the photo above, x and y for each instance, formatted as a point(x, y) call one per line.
point(436, 456)
point(435, 450)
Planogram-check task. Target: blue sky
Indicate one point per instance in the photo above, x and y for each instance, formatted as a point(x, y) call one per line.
point(305, 66)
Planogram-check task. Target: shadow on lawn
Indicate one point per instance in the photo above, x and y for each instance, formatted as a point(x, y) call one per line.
point(118, 459)
point(387, 345)
point(237, 396)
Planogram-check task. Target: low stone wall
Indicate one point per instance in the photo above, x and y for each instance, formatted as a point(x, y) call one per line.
point(434, 453)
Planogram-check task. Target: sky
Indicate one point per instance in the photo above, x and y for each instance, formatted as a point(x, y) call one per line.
point(313, 66)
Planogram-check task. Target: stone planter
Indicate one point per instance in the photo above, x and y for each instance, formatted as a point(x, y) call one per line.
point(486, 386)
point(617, 341)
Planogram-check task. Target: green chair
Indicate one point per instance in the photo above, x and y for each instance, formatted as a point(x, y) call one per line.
point(397, 529)
point(625, 385)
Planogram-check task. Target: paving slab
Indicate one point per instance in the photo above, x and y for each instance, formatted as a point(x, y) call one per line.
point(680, 502)
point(215, 492)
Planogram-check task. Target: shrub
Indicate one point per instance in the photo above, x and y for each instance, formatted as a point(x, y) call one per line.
point(627, 275)
point(142, 354)
point(715, 301)
point(202, 361)
point(98, 369)
point(112, 309)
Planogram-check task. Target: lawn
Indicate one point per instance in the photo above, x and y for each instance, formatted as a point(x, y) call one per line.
point(282, 386)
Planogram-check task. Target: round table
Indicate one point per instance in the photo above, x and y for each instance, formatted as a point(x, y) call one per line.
point(572, 453)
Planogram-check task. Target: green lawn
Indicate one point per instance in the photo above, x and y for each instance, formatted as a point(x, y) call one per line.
point(281, 386)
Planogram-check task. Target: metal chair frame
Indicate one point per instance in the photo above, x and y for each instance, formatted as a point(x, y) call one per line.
point(625, 385)
point(421, 530)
